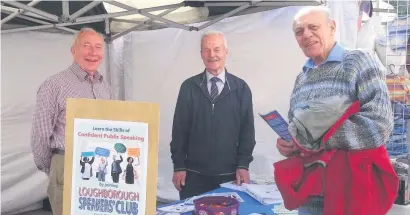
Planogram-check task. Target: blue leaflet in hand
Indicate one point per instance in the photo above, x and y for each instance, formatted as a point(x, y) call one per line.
point(278, 124)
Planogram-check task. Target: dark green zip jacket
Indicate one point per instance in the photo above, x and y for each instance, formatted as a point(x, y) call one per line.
point(213, 138)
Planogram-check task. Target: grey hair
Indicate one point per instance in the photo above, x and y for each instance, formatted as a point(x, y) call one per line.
point(214, 32)
point(311, 9)
point(78, 34)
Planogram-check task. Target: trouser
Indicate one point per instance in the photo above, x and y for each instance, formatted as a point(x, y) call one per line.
point(197, 184)
point(101, 176)
point(313, 207)
point(115, 177)
point(56, 184)
point(304, 211)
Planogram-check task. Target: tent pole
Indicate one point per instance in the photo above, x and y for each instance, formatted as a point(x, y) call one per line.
point(11, 10)
point(108, 15)
point(126, 21)
point(151, 9)
point(108, 42)
point(230, 13)
point(265, 3)
point(20, 11)
point(46, 26)
point(40, 22)
point(168, 22)
point(83, 10)
point(164, 7)
point(66, 10)
point(33, 10)
point(147, 22)
point(107, 26)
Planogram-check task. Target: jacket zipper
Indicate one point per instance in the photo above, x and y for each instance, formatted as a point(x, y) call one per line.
point(214, 162)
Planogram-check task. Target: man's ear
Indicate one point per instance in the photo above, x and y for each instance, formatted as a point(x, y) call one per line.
point(72, 50)
point(333, 27)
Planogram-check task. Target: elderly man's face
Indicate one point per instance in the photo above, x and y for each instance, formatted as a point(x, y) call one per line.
point(213, 53)
point(315, 35)
point(88, 52)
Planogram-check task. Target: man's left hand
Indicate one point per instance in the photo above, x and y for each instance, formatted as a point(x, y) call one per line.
point(242, 176)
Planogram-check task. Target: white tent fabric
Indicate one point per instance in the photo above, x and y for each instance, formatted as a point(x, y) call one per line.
point(31, 57)
point(145, 66)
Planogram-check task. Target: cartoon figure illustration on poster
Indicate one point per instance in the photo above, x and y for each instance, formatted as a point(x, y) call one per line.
point(109, 174)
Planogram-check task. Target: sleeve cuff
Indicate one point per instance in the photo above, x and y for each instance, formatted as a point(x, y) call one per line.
point(242, 167)
point(179, 167)
point(242, 164)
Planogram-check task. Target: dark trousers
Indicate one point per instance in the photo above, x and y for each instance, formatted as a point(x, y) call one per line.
point(115, 177)
point(197, 184)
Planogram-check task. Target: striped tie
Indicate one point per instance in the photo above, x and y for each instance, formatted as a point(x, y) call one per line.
point(214, 89)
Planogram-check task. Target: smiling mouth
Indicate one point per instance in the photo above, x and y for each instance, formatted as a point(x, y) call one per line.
point(91, 61)
point(309, 44)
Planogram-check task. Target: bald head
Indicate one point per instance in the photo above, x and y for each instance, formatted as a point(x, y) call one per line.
point(315, 31)
point(78, 35)
point(323, 11)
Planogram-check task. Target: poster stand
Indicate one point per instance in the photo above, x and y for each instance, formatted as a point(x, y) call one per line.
point(111, 157)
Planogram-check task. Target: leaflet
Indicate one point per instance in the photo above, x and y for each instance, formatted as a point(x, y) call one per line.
point(278, 124)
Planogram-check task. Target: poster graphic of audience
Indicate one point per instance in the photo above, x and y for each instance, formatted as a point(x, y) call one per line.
point(107, 162)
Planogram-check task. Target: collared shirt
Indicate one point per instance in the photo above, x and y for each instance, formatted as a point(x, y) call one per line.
point(335, 55)
point(48, 128)
point(220, 84)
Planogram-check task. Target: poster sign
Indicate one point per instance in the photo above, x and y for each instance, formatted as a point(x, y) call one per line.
point(109, 167)
point(134, 152)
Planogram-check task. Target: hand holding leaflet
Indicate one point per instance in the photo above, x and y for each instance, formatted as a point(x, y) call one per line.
point(278, 124)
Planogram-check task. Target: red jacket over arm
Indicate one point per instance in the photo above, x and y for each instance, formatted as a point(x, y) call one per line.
point(353, 182)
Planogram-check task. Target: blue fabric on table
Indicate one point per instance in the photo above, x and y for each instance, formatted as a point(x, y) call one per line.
point(249, 206)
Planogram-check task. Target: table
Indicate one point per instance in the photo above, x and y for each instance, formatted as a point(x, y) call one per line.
point(245, 208)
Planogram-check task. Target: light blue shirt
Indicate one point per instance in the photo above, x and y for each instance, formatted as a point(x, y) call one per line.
point(220, 84)
point(335, 55)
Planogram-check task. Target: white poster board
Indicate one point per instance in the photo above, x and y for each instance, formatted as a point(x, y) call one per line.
point(111, 157)
point(101, 185)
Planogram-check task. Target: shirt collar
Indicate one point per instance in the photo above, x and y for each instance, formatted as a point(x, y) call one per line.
point(335, 55)
point(220, 76)
point(83, 75)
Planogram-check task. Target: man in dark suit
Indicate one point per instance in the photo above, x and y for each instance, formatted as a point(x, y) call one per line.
point(116, 169)
point(213, 134)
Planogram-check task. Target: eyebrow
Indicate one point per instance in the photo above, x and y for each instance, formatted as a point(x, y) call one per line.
point(97, 44)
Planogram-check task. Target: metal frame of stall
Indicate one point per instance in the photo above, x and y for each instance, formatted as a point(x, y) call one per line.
point(30, 13)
